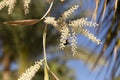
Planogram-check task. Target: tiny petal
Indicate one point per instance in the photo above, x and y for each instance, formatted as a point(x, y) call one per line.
point(90, 36)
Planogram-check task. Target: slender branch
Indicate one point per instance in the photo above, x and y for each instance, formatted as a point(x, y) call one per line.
point(44, 42)
point(47, 11)
point(46, 67)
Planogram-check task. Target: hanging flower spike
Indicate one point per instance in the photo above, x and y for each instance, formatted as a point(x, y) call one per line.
point(89, 35)
point(73, 42)
point(30, 72)
point(68, 13)
point(26, 6)
point(8, 3)
point(79, 26)
point(64, 36)
point(83, 22)
point(11, 6)
point(2, 5)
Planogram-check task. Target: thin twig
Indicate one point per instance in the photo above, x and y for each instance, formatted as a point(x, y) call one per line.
point(55, 77)
point(46, 77)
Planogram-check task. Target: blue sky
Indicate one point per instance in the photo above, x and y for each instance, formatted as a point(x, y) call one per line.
point(83, 72)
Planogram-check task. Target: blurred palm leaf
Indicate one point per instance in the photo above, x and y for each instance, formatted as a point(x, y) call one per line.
point(110, 21)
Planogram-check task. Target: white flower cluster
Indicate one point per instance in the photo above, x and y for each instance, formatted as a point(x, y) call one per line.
point(9, 3)
point(89, 35)
point(51, 20)
point(73, 42)
point(71, 29)
point(30, 72)
point(79, 25)
point(26, 6)
point(83, 22)
point(64, 36)
point(2, 5)
point(11, 6)
point(67, 14)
